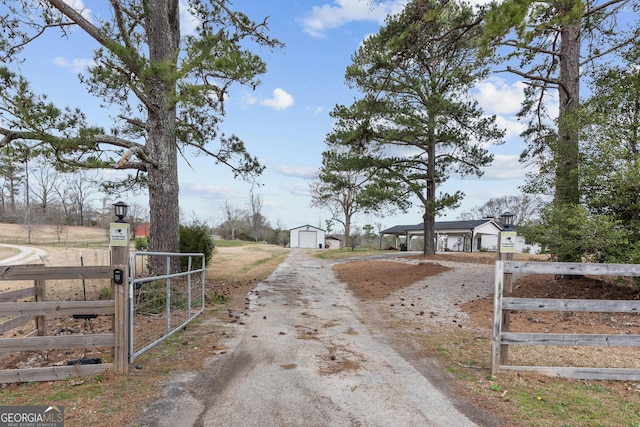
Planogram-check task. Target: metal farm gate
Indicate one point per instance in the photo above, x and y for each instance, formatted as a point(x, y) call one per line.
point(161, 305)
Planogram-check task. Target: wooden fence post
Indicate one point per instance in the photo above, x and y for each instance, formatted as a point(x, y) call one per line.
point(497, 317)
point(506, 249)
point(119, 242)
point(506, 314)
point(41, 321)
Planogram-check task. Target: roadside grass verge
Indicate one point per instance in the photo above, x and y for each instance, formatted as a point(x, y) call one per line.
point(347, 253)
point(523, 399)
point(244, 263)
point(110, 399)
point(273, 256)
point(222, 243)
point(6, 252)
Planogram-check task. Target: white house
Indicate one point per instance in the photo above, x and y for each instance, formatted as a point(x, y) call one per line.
point(307, 236)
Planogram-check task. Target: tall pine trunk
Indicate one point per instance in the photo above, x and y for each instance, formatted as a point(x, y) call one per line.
point(429, 217)
point(567, 190)
point(567, 187)
point(164, 38)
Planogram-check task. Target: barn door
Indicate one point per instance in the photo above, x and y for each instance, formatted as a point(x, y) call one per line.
point(307, 239)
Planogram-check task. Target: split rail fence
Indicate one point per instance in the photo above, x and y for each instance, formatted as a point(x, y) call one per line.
point(14, 313)
point(504, 303)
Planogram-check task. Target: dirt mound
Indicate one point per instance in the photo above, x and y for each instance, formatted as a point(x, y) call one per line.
point(379, 279)
point(547, 286)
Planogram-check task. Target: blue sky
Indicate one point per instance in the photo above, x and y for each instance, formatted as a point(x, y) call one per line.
point(284, 121)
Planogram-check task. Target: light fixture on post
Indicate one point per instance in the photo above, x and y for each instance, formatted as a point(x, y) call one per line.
point(120, 209)
point(120, 292)
point(507, 219)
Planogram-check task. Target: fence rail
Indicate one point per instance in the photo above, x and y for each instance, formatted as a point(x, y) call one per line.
point(20, 312)
point(166, 302)
point(503, 304)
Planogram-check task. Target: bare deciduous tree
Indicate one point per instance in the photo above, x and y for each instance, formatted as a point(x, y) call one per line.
point(232, 218)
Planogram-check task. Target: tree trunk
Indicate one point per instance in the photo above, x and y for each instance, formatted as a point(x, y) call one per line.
point(567, 189)
point(347, 229)
point(164, 38)
point(429, 217)
point(429, 234)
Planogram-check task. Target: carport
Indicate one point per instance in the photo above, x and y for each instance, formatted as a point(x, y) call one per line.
point(456, 236)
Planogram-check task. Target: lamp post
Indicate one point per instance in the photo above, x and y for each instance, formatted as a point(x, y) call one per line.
point(119, 242)
point(506, 249)
point(120, 209)
point(506, 236)
point(507, 219)
point(119, 235)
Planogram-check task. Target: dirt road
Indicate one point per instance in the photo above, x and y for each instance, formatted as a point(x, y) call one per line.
point(305, 357)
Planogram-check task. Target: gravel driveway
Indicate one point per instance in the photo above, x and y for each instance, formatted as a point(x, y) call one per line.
point(306, 356)
point(25, 255)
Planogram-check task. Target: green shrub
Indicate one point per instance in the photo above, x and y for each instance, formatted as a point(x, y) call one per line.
point(215, 297)
point(151, 298)
point(105, 293)
point(195, 238)
point(572, 233)
point(142, 243)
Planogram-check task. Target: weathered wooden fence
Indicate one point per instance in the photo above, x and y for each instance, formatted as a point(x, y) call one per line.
point(18, 313)
point(505, 303)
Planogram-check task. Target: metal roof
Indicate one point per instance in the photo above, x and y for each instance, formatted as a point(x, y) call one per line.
point(306, 226)
point(441, 225)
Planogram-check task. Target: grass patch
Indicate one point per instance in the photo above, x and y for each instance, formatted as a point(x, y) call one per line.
point(271, 256)
point(347, 253)
point(233, 243)
point(523, 399)
point(94, 244)
point(215, 297)
point(6, 252)
point(248, 263)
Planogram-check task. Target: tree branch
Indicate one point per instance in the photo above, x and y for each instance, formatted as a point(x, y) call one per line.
point(133, 147)
point(545, 79)
point(605, 52)
point(603, 6)
point(83, 23)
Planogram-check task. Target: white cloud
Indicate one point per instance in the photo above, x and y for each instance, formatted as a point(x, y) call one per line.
point(76, 65)
point(281, 100)
point(329, 16)
point(506, 167)
point(207, 191)
point(496, 96)
point(513, 128)
point(316, 111)
point(297, 189)
point(299, 172)
point(341, 12)
point(247, 99)
point(188, 22)
point(78, 6)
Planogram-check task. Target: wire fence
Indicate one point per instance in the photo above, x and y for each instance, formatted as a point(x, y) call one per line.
point(64, 242)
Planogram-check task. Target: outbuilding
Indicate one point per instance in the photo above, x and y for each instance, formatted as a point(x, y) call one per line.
point(307, 236)
point(333, 242)
point(458, 236)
